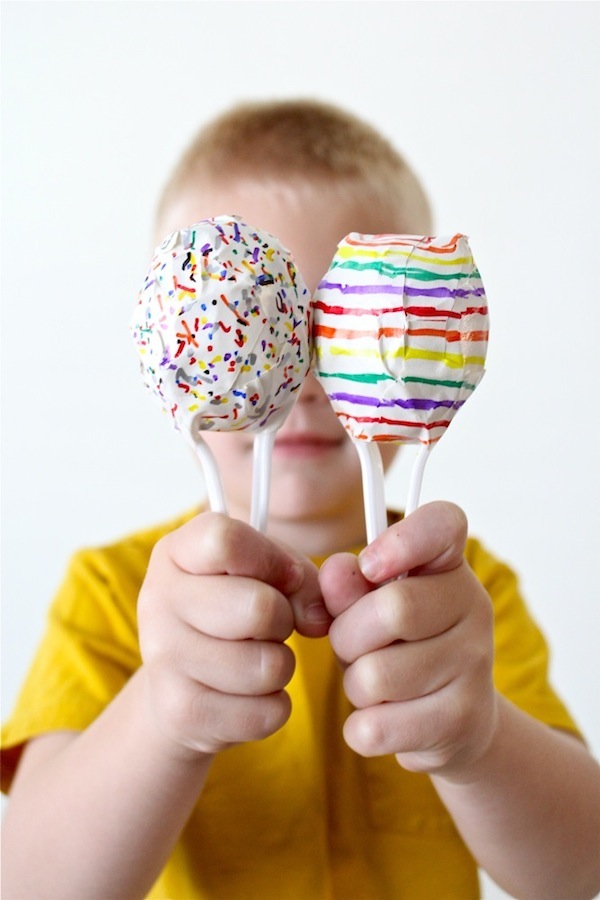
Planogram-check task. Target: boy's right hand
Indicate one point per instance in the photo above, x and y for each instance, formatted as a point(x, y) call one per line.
point(218, 601)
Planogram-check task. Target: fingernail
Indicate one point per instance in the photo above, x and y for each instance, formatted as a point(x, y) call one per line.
point(368, 564)
point(295, 577)
point(317, 614)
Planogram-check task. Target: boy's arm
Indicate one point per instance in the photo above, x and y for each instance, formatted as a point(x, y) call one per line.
point(418, 654)
point(96, 814)
point(529, 809)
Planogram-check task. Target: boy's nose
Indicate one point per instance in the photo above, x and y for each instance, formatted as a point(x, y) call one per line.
point(312, 392)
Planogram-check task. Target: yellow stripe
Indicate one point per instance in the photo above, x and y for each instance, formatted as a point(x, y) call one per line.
point(350, 252)
point(452, 360)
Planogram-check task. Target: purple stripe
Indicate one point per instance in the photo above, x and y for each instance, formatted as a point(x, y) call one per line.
point(405, 404)
point(439, 292)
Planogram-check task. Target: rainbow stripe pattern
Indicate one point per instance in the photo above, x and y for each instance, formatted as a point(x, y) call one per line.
point(399, 331)
point(221, 327)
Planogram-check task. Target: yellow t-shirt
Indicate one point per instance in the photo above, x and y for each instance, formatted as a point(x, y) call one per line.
point(297, 816)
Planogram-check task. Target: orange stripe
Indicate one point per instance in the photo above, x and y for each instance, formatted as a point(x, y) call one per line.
point(424, 243)
point(327, 331)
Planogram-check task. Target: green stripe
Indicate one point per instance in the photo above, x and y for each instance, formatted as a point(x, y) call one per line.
point(370, 378)
point(411, 272)
point(366, 377)
point(454, 384)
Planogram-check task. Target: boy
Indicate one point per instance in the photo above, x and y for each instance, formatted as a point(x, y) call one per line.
point(374, 749)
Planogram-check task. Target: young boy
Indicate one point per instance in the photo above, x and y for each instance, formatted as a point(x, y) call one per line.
point(262, 729)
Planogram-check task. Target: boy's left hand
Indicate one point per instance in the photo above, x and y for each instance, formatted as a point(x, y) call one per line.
point(417, 651)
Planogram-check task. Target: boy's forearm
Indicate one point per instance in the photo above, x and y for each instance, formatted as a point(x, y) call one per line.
point(100, 817)
point(530, 809)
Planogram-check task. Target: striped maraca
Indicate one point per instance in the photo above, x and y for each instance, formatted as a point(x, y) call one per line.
point(400, 330)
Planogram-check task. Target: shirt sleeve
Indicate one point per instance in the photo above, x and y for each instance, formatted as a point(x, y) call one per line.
point(87, 654)
point(521, 661)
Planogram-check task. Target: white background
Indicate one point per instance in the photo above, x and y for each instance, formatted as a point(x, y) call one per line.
point(496, 106)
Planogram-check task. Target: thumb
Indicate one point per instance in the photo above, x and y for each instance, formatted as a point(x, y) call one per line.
point(311, 617)
point(431, 540)
point(342, 582)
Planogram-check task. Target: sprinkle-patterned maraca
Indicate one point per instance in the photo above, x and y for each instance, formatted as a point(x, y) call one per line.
point(221, 329)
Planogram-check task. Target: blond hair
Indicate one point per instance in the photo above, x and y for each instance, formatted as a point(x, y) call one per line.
point(302, 141)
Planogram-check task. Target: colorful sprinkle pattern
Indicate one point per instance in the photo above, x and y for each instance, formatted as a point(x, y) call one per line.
point(400, 331)
point(222, 327)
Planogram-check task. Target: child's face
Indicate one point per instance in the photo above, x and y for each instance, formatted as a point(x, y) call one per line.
point(316, 477)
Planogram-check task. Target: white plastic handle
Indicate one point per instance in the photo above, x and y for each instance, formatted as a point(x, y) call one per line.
point(416, 479)
point(261, 478)
point(212, 477)
point(373, 480)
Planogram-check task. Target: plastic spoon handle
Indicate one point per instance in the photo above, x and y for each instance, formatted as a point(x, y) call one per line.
point(373, 480)
point(214, 487)
point(261, 478)
point(416, 478)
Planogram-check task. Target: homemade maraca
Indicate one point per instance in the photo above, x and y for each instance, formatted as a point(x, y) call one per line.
point(221, 329)
point(400, 331)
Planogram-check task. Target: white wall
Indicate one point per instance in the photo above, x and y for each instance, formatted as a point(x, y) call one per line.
point(496, 106)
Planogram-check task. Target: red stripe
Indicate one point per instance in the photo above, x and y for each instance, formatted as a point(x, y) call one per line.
point(381, 420)
point(424, 311)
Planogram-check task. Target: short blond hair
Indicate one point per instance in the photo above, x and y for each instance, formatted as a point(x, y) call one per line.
point(302, 141)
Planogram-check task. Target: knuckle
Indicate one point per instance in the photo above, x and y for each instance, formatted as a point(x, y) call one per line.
point(365, 682)
point(337, 639)
point(395, 610)
point(454, 727)
point(150, 602)
point(455, 722)
point(478, 661)
point(276, 667)
point(267, 716)
point(218, 535)
point(479, 647)
point(364, 732)
point(257, 608)
point(451, 519)
point(278, 711)
point(163, 556)
point(486, 612)
point(265, 614)
point(154, 648)
point(457, 519)
point(176, 705)
point(161, 548)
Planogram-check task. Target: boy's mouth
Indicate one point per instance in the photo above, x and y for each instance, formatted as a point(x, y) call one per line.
point(304, 444)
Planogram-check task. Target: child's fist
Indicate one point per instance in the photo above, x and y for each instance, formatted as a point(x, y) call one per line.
point(417, 651)
point(217, 604)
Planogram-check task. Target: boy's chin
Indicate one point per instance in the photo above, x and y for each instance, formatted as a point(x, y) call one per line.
point(305, 503)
